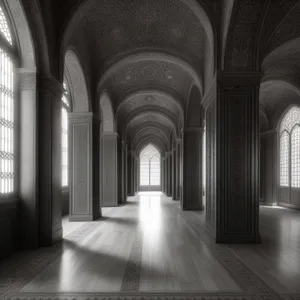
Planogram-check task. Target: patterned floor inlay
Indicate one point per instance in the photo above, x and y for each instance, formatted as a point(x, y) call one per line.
point(292, 296)
point(131, 277)
point(19, 269)
point(16, 272)
point(144, 296)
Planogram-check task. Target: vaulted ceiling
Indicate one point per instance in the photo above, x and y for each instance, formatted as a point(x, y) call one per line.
point(146, 55)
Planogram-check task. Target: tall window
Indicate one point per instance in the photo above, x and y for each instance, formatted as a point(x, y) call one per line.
point(290, 148)
point(64, 136)
point(7, 103)
point(150, 166)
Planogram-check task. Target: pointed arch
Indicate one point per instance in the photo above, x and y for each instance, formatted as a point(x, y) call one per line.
point(150, 161)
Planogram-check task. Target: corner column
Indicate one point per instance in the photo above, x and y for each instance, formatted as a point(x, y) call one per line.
point(237, 157)
point(49, 161)
point(84, 167)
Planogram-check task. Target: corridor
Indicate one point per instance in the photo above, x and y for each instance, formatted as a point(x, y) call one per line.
point(151, 245)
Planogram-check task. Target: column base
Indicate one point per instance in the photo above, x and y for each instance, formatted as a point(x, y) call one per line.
point(56, 236)
point(83, 218)
point(233, 239)
point(194, 208)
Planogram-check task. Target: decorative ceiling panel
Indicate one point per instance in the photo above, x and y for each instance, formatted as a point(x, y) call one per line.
point(148, 74)
point(119, 27)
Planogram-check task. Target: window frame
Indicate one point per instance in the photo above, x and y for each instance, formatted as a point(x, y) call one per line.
point(289, 132)
point(12, 50)
point(149, 160)
point(68, 109)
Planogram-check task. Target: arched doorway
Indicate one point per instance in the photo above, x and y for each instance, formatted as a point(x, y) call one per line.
point(150, 167)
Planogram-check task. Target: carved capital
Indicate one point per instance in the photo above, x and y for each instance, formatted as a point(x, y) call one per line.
point(51, 85)
point(27, 78)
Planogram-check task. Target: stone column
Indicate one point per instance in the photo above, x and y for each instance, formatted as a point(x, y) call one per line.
point(135, 175)
point(130, 164)
point(84, 164)
point(166, 173)
point(169, 174)
point(192, 169)
point(162, 174)
point(49, 161)
point(28, 167)
point(126, 173)
point(177, 169)
point(268, 167)
point(109, 169)
point(237, 157)
point(174, 187)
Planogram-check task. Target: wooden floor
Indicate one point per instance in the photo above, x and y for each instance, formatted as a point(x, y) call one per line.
point(150, 245)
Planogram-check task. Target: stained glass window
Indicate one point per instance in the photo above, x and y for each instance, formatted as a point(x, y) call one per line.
point(295, 153)
point(290, 148)
point(284, 159)
point(64, 136)
point(150, 166)
point(4, 29)
point(7, 122)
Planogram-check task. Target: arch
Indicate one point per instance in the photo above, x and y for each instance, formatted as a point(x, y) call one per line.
point(150, 140)
point(22, 34)
point(148, 56)
point(148, 114)
point(198, 9)
point(107, 114)
point(241, 45)
point(150, 160)
point(78, 88)
point(276, 96)
point(150, 128)
point(175, 101)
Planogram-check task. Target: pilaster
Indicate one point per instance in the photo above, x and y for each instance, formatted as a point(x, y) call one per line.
point(109, 169)
point(49, 161)
point(84, 167)
point(28, 168)
point(237, 157)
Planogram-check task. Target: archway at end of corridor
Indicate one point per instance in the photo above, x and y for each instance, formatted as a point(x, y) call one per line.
point(150, 169)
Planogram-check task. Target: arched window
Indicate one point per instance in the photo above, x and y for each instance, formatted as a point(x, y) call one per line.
point(150, 166)
point(64, 135)
point(290, 149)
point(7, 107)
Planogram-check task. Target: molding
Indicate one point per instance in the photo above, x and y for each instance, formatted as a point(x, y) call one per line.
point(80, 117)
point(268, 132)
point(51, 85)
point(109, 135)
point(236, 78)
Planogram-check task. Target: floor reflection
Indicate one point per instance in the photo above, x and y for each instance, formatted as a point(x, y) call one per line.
point(150, 211)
